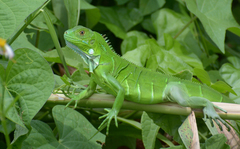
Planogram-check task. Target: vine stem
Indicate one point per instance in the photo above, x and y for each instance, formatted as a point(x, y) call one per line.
point(2, 116)
point(194, 18)
point(106, 101)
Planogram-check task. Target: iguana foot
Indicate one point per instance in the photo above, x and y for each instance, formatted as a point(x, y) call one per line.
point(76, 98)
point(209, 112)
point(73, 98)
point(109, 116)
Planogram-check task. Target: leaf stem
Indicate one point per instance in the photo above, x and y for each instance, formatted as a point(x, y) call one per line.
point(56, 42)
point(185, 27)
point(200, 134)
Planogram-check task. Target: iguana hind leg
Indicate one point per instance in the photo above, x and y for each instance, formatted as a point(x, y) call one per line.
point(177, 92)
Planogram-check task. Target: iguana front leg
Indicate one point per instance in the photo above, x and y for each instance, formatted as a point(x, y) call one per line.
point(176, 92)
point(84, 94)
point(116, 87)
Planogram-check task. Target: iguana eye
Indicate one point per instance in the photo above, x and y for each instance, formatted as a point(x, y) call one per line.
point(82, 32)
point(91, 51)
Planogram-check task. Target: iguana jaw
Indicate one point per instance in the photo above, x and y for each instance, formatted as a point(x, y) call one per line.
point(92, 61)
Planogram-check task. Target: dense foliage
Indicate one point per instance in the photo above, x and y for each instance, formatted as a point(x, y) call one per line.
point(194, 40)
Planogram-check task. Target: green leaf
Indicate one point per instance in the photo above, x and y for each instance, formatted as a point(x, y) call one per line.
point(180, 51)
point(149, 131)
point(30, 78)
point(71, 123)
point(185, 75)
point(163, 60)
point(149, 6)
point(73, 12)
point(41, 136)
point(71, 57)
point(20, 134)
point(216, 17)
point(203, 76)
point(73, 128)
point(10, 125)
point(215, 76)
point(217, 141)
point(234, 30)
point(13, 13)
point(231, 75)
point(148, 25)
point(235, 61)
point(120, 19)
point(41, 39)
point(22, 42)
point(138, 56)
point(169, 123)
point(133, 40)
point(93, 16)
point(222, 87)
point(170, 22)
point(208, 59)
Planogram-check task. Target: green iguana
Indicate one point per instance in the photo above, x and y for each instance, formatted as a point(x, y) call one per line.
point(127, 81)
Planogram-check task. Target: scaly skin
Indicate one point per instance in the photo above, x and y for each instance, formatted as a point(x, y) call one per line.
point(127, 81)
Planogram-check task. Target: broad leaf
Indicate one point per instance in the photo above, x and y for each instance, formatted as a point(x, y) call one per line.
point(149, 131)
point(170, 22)
point(133, 40)
point(165, 61)
point(22, 42)
point(30, 78)
point(120, 19)
point(149, 6)
point(217, 141)
point(71, 57)
point(169, 123)
point(13, 12)
point(41, 136)
point(216, 17)
point(231, 75)
point(203, 76)
point(74, 131)
point(71, 123)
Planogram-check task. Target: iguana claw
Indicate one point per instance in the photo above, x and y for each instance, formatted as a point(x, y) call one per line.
point(109, 116)
point(210, 112)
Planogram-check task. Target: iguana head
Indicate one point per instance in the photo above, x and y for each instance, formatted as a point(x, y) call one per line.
point(85, 42)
